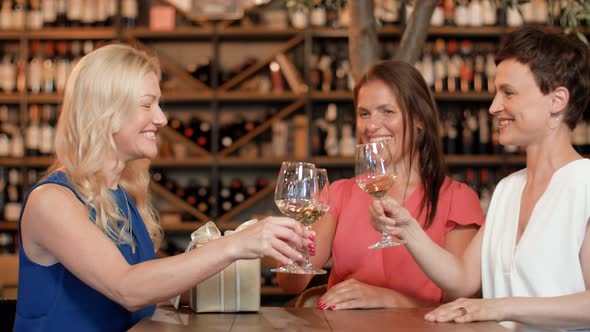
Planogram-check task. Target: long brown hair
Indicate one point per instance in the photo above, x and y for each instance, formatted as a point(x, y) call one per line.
point(418, 108)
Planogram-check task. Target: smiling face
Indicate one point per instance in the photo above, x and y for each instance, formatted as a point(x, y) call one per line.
point(520, 106)
point(379, 117)
point(137, 137)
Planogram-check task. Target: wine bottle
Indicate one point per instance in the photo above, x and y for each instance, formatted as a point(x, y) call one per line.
point(237, 191)
point(74, 12)
point(452, 134)
point(62, 66)
point(462, 14)
point(18, 14)
point(49, 10)
point(47, 131)
point(61, 10)
point(35, 74)
point(5, 134)
point(485, 190)
point(3, 185)
point(468, 133)
point(8, 70)
point(6, 15)
point(49, 70)
point(88, 17)
point(33, 132)
point(484, 132)
point(129, 13)
point(14, 195)
point(34, 15)
point(225, 199)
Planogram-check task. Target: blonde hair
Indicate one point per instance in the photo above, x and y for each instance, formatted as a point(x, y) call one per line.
point(102, 93)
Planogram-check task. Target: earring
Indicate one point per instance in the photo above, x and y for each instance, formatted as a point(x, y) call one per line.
point(553, 120)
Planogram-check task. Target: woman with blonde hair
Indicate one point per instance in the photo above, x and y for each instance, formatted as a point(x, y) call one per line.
point(88, 233)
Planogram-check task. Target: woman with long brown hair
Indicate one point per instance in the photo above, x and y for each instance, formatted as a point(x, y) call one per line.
point(393, 104)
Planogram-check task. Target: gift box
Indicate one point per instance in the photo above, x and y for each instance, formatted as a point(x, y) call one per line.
point(235, 289)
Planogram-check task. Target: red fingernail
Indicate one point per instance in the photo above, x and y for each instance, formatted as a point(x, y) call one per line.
point(312, 237)
point(311, 246)
point(332, 307)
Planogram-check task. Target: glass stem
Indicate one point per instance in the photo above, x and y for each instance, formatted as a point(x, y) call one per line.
point(307, 263)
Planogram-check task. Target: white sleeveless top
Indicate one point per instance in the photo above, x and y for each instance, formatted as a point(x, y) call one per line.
point(546, 260)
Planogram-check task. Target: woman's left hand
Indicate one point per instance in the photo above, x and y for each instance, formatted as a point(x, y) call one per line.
point(351, 294)
point(468, 310)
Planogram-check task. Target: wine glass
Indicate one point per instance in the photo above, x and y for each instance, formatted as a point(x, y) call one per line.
point(313, 212)
point(295, 190)
point(375, 174)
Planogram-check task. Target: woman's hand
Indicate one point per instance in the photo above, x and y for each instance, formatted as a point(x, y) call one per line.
point(281, 238)
point(351, 294)
point(468, 310)
point(387, 215)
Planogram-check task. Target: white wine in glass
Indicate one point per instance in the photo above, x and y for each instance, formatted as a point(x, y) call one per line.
point(375, 174)
point(295, 196)
point(315, 211)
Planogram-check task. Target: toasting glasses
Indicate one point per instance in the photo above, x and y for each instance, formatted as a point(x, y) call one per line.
point(298, 195)
point(375, 174)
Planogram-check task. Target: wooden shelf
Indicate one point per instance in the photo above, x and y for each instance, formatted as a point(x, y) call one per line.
point(439, 96)
point(444, 31)
point(241, 33)
point(251, 162)
point(186, 96)
point(201, 161)
point(82, 33)
point(26, 162)
point(257, 96)
point(56, 98)
point(10, 98)
point(485, 160)
point(190, 96)
point(8, 225)
point(463, 96)
point(331, 96)
point(45, 98)
point(177, 33)
point(11, 34)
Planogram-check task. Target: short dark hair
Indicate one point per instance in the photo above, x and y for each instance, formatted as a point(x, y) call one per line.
point(555, 59)
point(417, 106)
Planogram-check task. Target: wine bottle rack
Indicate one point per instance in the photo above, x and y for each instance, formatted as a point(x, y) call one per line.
point(218, 94)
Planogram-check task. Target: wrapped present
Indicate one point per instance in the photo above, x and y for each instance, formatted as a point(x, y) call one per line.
point(234, 289)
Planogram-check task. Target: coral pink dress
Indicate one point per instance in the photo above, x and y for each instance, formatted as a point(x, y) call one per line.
point(393, 267)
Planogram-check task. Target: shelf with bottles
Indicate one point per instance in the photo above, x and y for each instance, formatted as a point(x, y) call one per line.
point(190, 197)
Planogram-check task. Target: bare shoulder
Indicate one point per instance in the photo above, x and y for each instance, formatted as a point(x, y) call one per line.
point(51, 200)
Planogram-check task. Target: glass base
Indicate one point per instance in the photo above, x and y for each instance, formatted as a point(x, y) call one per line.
point(287, 269)
point(284, 269)
point(385, 244)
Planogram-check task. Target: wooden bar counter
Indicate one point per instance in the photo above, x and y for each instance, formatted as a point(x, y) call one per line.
point(305, 319)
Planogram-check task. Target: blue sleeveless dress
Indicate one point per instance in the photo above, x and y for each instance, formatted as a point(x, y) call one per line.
point(51, 298)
